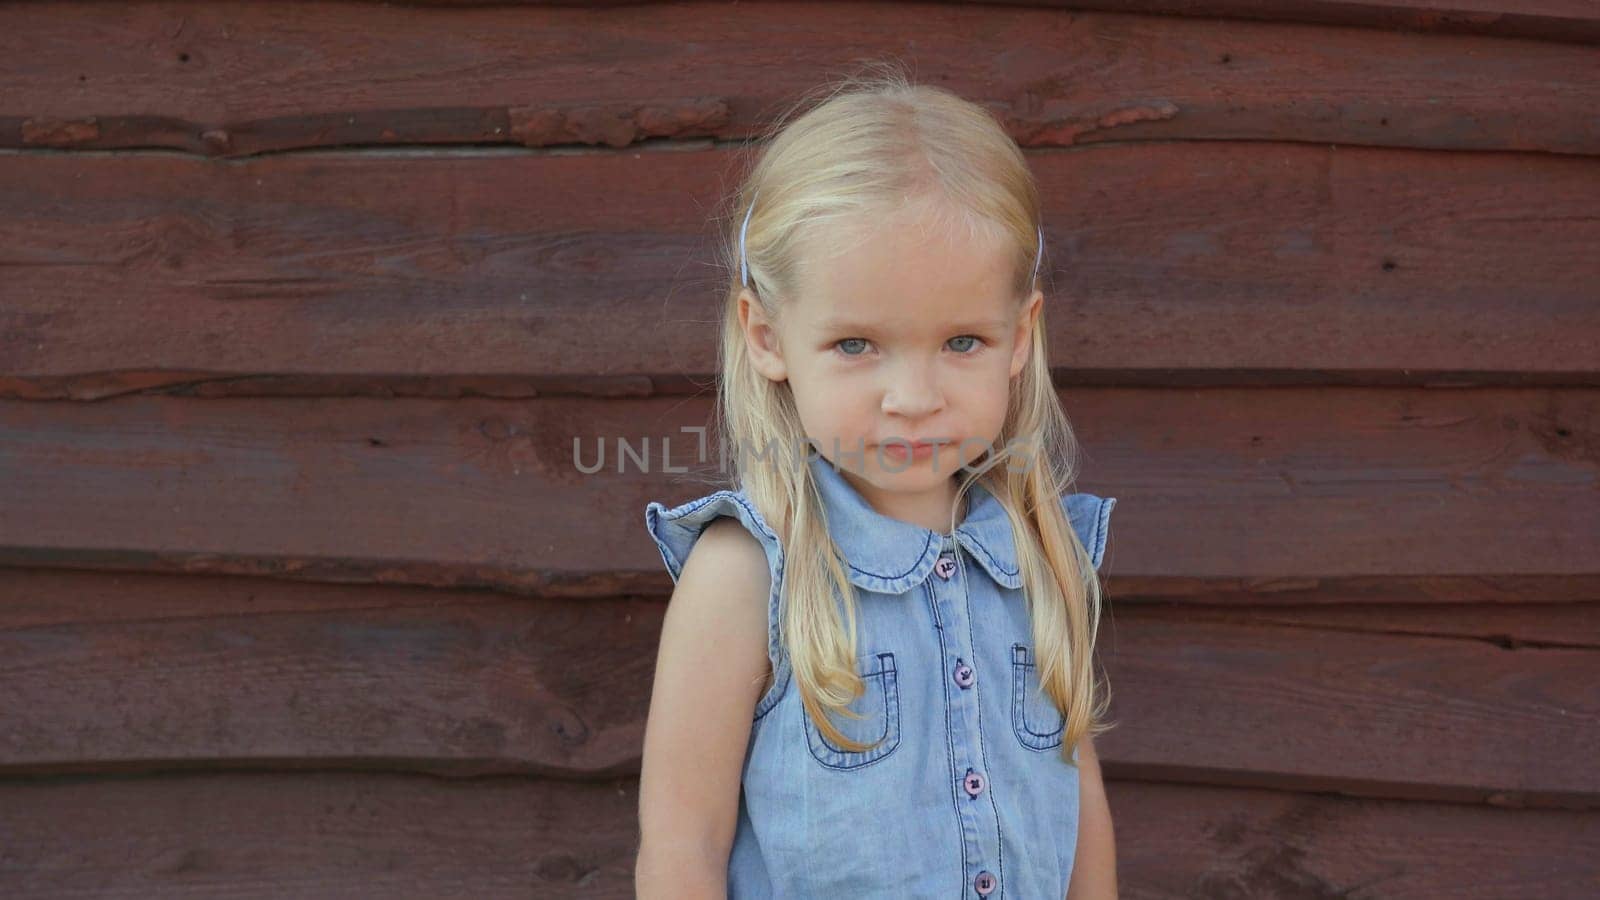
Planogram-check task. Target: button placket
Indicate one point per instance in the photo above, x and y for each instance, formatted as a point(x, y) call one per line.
point(946, 568)
point(948, 591)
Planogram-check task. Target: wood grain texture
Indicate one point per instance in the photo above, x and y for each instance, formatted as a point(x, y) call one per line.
point(1507, 612)
point(540, 688)
point(1167, 264)
point(324, 835)
point(349, 835)
point(1188, 841)
point(283, 675)
point(1276, 487)
point(1510, 625)
point(1577, 21)
point(236, 79)
point(1292, 705)
point(313, 600)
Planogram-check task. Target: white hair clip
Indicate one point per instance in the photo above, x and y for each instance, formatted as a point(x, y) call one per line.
point(744, 268)
point(1038, 255)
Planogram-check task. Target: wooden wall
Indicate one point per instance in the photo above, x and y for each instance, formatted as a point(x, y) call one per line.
point(303, 305)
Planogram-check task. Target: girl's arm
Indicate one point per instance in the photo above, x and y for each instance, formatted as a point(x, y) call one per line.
point(710, 670)
point(1094, 873)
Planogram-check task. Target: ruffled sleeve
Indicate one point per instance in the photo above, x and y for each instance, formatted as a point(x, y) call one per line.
point(1091, 519)
point(675, 531)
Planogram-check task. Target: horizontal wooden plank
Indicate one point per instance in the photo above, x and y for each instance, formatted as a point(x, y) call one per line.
point(1181, 841)
point(236, 79)
point(1184, 264)
point(1238, 486)
point(1392, 714)
point(320, 677)
point(1512, 614)
point(354, 835)
point(1574, 21)
point(1577, 21)
point(1574, 625)
point(324, 835)
point(550, 687)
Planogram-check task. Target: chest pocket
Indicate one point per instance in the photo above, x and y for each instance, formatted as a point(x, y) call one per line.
point(1036, 721)
point(879, 708)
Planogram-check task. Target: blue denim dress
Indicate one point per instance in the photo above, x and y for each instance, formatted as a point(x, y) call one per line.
point(966, 794)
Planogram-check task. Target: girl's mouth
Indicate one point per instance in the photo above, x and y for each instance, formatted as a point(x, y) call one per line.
point(901, 450)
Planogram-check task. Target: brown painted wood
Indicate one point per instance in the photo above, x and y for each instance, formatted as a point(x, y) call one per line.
point(1573, 625)
point(1168, 264)
point(234, 79)
point(341, 835)
point(1577, 21)
point(324, 835)
point(1382, 593)
point(1510, 613)
point(1286, 706)
point(533, 687)
point(288, 676)
point(1186, 841)
point(1322, 595)
point(1574, 21)
point(1240, 486)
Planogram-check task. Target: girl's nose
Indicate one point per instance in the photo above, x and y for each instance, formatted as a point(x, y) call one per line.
point(913, 395)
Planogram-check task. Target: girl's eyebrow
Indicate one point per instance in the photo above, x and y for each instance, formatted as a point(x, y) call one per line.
point(842, 324)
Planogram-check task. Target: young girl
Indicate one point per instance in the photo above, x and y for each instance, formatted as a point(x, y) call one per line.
point(874, 677)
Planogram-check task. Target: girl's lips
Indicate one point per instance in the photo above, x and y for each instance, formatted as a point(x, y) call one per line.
point(919, 450)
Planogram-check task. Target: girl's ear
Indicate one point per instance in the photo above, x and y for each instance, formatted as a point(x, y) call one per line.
point(761, 339)
point(1023, 342)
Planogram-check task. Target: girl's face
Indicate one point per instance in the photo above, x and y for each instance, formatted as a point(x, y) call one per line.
point(904, 335)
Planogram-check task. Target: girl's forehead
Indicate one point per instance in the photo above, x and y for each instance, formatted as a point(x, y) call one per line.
point(893, 276)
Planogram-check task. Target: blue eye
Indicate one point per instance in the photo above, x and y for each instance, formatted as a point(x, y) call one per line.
point(970, 349)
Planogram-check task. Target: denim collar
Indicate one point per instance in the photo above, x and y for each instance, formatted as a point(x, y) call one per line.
point(889, 556)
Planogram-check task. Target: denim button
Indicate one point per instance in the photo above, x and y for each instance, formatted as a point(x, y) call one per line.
point(974, 783)
point(964, 675)
point(984, 883)
point(946, 566)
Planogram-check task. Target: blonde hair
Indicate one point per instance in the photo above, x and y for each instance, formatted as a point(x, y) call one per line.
point(871, 143)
